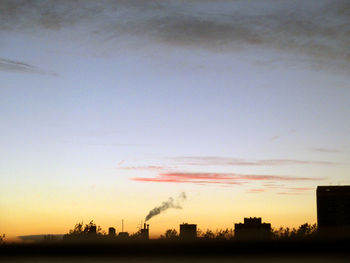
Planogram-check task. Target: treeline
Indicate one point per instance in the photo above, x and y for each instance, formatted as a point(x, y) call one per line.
point(92, 231)
point(2, 237)
point(304, 231)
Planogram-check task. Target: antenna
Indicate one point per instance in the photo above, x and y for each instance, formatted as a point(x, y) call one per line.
point(122, 225)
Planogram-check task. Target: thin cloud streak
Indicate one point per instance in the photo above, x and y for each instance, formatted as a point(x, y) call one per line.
point(143, 168)
point(177, 180)
point(21, 67)
point(256, 191)
point(325, 150)
point(288, 193)
point(227, 161)
point(301, 188)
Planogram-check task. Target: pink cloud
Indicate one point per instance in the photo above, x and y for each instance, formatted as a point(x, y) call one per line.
point(179, 180)
point(277, 178)
point(234, 176)
point(217, 178)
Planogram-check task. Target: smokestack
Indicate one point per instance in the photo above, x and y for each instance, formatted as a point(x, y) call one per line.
point(166, 205)
point(145, 232)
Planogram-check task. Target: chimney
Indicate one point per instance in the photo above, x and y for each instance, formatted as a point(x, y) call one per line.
point(111, 231)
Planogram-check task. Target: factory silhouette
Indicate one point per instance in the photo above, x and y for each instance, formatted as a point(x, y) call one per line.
point(333, 221)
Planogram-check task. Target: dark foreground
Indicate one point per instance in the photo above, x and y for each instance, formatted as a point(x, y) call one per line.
point(156, 251)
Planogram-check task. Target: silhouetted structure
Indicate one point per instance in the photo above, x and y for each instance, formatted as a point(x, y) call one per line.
point(111, 232)
point(253, 229)
point(145, 232)
point(123, 235)
point(333, 210)
point(188, 231)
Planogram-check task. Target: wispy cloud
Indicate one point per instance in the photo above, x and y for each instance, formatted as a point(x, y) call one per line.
point(294, 190)
point(218, 178)
point(274, 138)
point(179, 180)
point(21, 67)
point(227, 161)
point(256, 191)
point(273, 185)
point(301, 189)
point(288, 193)
point(144, 168)
point(325, 150)
point(105, 144)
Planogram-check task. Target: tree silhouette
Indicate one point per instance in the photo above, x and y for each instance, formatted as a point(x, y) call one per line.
point(170, 234)
point(304, 231)
point(81, 232)
point(220, 234)
point(77, 230)
point(2, 237)
point(224, 234)
point(207, 235)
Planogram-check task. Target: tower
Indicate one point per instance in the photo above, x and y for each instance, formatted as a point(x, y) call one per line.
point(145, 232)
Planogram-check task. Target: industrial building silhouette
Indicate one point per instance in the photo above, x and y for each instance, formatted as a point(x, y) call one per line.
point(188, 231)
point(145, 232)
point(333, 210)
point(253, 229)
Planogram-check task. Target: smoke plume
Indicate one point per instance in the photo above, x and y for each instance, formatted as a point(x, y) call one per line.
point(170, 203)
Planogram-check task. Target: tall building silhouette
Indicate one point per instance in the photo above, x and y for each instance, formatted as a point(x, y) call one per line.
point(333, 209)
point(188, 231)
point(253, 229)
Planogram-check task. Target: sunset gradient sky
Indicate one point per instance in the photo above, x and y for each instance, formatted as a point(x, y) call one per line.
point(107, 108)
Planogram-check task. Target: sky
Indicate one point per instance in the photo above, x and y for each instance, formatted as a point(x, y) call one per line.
point(108, 108)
